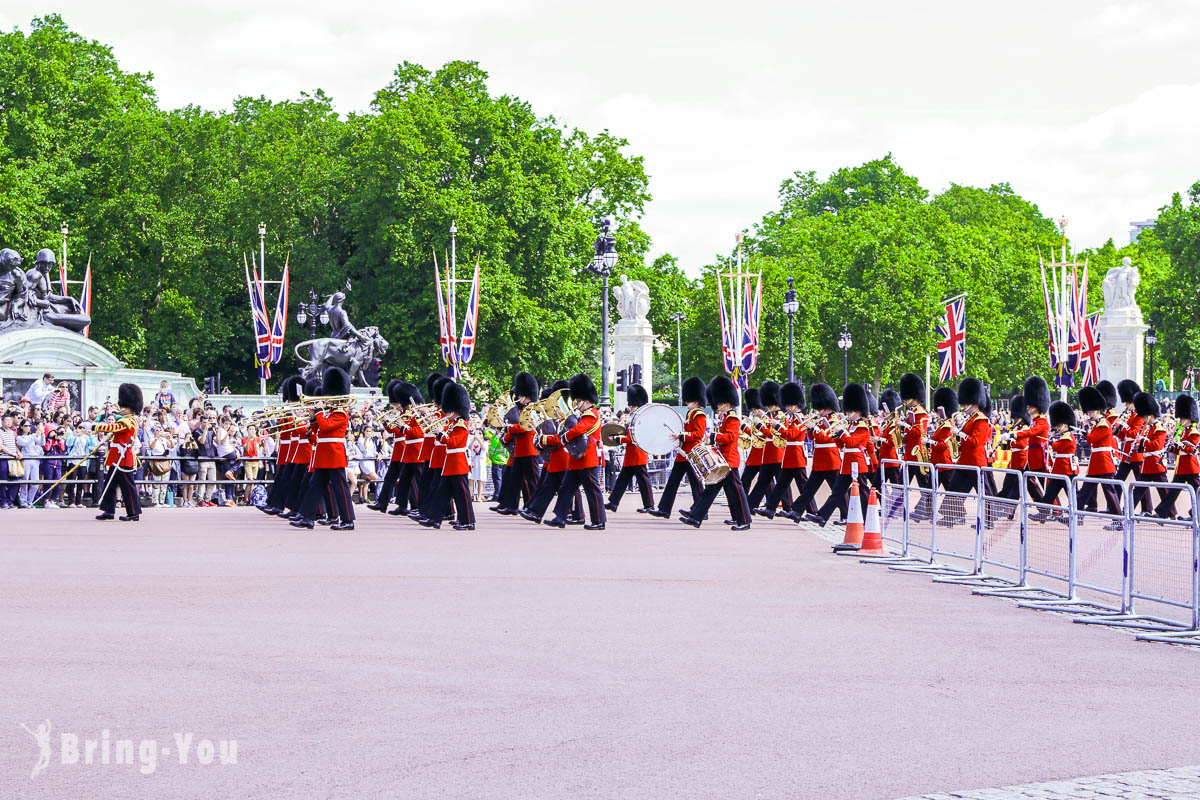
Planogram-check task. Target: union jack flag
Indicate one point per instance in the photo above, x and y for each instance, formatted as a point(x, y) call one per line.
point(85, 297)
point(1050, 323)
point(443, 323)
point(751, 308)
point(262, 326)
point(727, 350)
point(279, 326)
point(466, 347)
point(952, 349)
point(1090, 350)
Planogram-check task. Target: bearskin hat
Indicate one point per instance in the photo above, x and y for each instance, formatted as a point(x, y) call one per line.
point(1037, 394)
point(435, 391)
point(723, 391)
point(970, 393)
point(290, 388)
point(945, 399)
point(693, 391)
point(1144, 404)
point(1090, 399)
point(708, 396)
point(456, 399)
point(410, 395)
point(822, 397)
point(1109, 393)
point(554, 387)
point(1185, 408)
point(335, 381)
point(395, 391)
point(911, 387)
point(854, 398)
point(636, 395)
point(985, 405)
point(752, 399)
point(891, 399)
point(768, 394)
point(433, 378)
point(1126, 390)
point(312, 387)
point(1018, 410)
point(129, 395)
point(525, 385)
point(1061, 414)
point(872, 403)
point(582, 388)
point(791, 394)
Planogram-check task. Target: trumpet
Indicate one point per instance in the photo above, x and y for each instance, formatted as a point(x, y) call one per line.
point(498, 412)
point(393, 416)
point(554, 407)
point(326, 403)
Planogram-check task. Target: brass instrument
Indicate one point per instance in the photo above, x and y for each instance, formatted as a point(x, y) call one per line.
point(392, 416)
point(554, 407)
point(499, 410)
point(326, 403)
point(776, 425)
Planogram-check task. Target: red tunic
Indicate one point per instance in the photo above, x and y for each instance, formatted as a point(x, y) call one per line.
point(914, 435)
point(939, 453)
point(887, 449)
point(454, 444)
point(591, 456)
point(826, 457)
point(426, 452)
point(854, 443)
point(557, 459)
point(727, 439)
point(770, 453)
point(1039, 437)
point(437, 457)
point(330, 427)
point(1154, 451)
point(754, 456)
point(122, 449)
point(1126, 435)
point(1189, 443)
point(301, 444)
point(1100, 438)
point(414, 444)
point(523, 440)
point(976, 434)
point(287, 442)
point(693, 432)
point(793, 452)
point(1020, 449)
point(872, 448)
point(398, 444)
point(1063, 453)
point(634, 455)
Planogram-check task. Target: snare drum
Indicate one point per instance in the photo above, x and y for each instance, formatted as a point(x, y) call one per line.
point(710, 466)
point(653, 429)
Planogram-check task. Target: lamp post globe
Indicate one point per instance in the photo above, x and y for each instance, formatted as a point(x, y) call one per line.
point(603, 261)
point(845, 342)
point(790, 307)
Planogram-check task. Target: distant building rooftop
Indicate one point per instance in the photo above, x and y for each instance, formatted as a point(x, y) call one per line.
point(1136, 228)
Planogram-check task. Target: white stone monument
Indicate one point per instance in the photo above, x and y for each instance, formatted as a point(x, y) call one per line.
point(633, 338)
point(1122, 331)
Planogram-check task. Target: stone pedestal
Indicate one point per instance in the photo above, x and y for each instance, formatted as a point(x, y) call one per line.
point(633, 343)
point(1122, 329)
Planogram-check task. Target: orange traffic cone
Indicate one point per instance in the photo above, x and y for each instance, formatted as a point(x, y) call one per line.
point(854, 524)
point(872, 543)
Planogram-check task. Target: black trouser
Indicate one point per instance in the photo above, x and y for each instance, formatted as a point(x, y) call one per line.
point(839, 496)
point(666, 501)
point(453, 488)
point(119, 479)
point(298, 488)
point(390, 479)
point(812, 485)
point(787, 476)
point(1141, 494)
point(749, 473)
point(433, 476)
point(963, 481)
point(1166, 506)
point(497, 482)
point(328, 482)
point(1085, 496)
point(626, 476)
point(925, 483)
point(589, 481)
point(280, 486)
point(1054, 486)
point(520, 480)
point(735, 495)
point(768, 476)
point(546, 491)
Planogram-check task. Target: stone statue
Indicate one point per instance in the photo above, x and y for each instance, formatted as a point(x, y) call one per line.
point(633, 298)
point(26, 300)
point(348, 348)
point(1120, 287)
point(13, 291)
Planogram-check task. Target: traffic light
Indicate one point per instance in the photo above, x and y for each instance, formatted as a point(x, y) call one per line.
point(635, 373)
point(621, 384)
point(210, 385)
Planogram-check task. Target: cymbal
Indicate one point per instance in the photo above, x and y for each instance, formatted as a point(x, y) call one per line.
point(611, 433)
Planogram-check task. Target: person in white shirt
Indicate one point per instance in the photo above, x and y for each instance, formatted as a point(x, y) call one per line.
point(40, 390)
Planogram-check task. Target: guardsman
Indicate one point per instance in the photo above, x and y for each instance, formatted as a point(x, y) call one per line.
point(581, 471)
point(456, 407)
point(1037, 401)
point(396, 465)
point(437, 453)
point(433, 382)
point(975, 437)
point(634, 466)
point(1018, 440)
point(555, 469)
point(1100, 464)
point(1151, 446)
point(752, 408)
point(1185, 443)
point(851, 438)
point(891, 411)
point(726, 436)
point(121, 460)
point(520, 476)
point(826, 461)
point(407, 440)
point(915, 425)
point(694, 429)
point(303, 454)
point(329, 458)
point(1127, 430)
point(945, 401)
point(794, 461)
point(772, 454)
point(1063, 462)
point(285, 470)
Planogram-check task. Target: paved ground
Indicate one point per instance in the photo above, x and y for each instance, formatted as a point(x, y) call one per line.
point(1180, 783)
point(647, 661)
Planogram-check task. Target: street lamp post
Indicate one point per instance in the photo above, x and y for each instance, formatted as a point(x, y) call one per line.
point(309, 313)
point(1151, 340)
point(845, 343)
point(790, 307)
point(602, 265)
point(677, 318)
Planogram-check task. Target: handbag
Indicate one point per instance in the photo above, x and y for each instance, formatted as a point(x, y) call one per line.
point(159, 467)
point(16, 468)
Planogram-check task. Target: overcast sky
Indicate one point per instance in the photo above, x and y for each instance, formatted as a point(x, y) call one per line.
point(1090, 109)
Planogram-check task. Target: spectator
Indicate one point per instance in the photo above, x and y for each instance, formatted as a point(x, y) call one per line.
point(207, 455)
point(163, 397)
point(30, 443)
point(368, 448)
point(251, 450)
point(10, 463)
point(52, 468)
point(39, 390)
point(189, 467)
point(59, 400)
point(477, 456)
point(80, 444)
point(158, 468)
point(352, 457)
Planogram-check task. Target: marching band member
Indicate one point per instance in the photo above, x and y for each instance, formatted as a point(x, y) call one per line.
point(1185, 443)
point(1127, 430)
point(975, 437)
point(1037, 401)
point(753, 408)
point(520, 476)
point(121, 459)
point(433, 383)
point(557, 460)
point(329, 458)
point(946, 403)
point(1062, 447)
point(1100, 464)
point(303, 456)
point(1151, 447)
point(915, 426)
point(826, 461)
point(634, 465)
point(286, 470)
point(772, 455)
point(405, 468)
point(852, 440)
point(794, 462)
point(726, 436)
point(581, 472)
point(396, 464)
point(890, 409)
point(456, 406)
point(694, 429)
point(437, 455)
point(871, 449)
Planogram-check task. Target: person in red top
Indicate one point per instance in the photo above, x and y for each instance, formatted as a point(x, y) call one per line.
point(557, 460)
point(694, 429)
point(1018, 438)
point(634, 465)
point(946, 403)
point(1100, 465)
point(1185, 443)
point(914, 424)
point(407, 439)
point(456, 406)
point(520, 476)
point(826, 461)
point(772, 456)
point(433, 386)
point(1151, 447)
point(437, 455)
point(1063, 462)
point(752, 408)
point(328, 481)
point(725, 438)
point(285, 470)
point(1037, 399)
point(974, 437)
point(891, 409)
point(302, 455)
point(794, 462)
point(581, 471)
point(1127, 430)
point(121, 460)
point(852, 438)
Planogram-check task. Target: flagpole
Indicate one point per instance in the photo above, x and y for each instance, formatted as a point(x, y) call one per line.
point(453, 289)
point(1064, 357)
point(262, 259)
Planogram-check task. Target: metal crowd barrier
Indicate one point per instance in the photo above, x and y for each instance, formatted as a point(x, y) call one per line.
point(1121, 567)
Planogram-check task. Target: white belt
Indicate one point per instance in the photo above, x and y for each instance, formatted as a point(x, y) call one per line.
point(1064, 455)
point(1102, 449)
point(793, 444)
point(330, 440)
point(819, 446)
point(1154, 454)
point(852, 450)
point(1020, 449)
point(456, 450)
point(413, 441)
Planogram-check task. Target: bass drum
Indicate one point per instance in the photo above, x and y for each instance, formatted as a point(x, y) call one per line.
point(710, 466)
point(653, 429)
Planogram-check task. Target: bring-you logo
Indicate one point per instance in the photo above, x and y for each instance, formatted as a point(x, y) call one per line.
point(143, 754)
